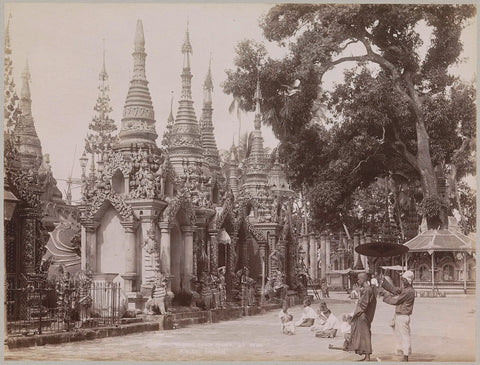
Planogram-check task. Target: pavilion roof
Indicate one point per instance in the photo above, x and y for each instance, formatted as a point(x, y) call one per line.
point(441, 240)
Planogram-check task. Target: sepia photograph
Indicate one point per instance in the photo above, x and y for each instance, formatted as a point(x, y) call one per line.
point(239, 181)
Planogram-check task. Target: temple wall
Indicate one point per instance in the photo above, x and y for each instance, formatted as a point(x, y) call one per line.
point(110, 243)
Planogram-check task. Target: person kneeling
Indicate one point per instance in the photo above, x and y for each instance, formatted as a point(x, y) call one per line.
point(308, 315)
point(329, 328)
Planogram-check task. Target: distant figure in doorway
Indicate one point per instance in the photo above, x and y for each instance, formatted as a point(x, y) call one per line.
point(361, 339)
point(308, 315)
point(403, 301)
point(324, 289)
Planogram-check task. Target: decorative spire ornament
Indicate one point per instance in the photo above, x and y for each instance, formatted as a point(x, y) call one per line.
point(138, 122)
point(10, 106)
point(211, 155)
point(101, 125)
point(26, 138)
point(168, 129)
point(186, 140)
point(256, 174)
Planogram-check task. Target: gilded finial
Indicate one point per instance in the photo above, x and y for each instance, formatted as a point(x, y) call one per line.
point(139, 37)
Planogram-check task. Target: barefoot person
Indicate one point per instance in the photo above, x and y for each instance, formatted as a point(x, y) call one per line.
point(361, 338)
point(403, 302)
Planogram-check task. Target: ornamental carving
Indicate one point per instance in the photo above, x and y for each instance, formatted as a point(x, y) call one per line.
point(26, 184)
point(125, 210)
point(174, 206)
point(138, 112)
point(185, 141)
point(150, 244)
point(256, 233)
point(116, 161)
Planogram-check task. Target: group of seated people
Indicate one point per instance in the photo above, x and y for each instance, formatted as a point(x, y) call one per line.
point(323, 322)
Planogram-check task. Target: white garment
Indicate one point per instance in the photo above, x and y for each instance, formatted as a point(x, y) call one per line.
point(307, 313)
point(331, 323)
point(401, 331)
point(374, 282)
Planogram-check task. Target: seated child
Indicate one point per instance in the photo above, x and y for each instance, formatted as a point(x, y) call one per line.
point(283, 316)
point(329, 328)
point(289, 326)
point(308, 315)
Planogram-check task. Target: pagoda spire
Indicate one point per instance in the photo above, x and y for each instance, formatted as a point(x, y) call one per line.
point(233, 170)
point(186, 140)
point(209, 144)
point(168, 130)
point(138, 122)
point(101, 125)
point(10, 106)
point(27, 141)
point(256, 174)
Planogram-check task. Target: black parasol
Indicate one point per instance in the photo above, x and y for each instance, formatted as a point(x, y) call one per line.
point(381, 249)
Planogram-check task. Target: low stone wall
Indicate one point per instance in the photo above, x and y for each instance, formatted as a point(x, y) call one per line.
point(80, 335)
point(148, 323)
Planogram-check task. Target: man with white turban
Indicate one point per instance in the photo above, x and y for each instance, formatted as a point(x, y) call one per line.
point(403, 299)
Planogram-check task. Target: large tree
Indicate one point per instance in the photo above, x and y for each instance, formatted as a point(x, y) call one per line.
point(398, 111)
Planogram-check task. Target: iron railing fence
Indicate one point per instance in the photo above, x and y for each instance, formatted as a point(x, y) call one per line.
point(47, 309)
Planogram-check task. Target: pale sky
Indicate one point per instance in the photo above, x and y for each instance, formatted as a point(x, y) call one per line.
point(63, 43)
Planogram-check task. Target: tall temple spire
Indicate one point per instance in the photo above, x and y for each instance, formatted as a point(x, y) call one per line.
point(138, 122)
point(256, 168)
point(101, 125)
point(209, 144)
point(168, 129)
point(185, 139)
point(28, 143)
point(10, 107)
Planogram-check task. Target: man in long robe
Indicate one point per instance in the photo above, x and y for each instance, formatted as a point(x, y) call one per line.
point(361, 338)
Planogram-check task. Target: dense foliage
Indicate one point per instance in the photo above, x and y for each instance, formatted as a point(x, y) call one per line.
point(398, 113)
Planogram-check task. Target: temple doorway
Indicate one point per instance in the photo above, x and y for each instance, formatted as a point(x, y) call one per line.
point(177, 258)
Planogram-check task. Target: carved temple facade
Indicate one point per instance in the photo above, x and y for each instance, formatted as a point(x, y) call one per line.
point(176, 208)
point(29, 182)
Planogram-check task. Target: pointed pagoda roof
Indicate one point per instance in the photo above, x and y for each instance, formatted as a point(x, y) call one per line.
point(27, 141)
point(185, 142)
point(167, 134)
point(211, 155)
point(256, 173)
point(101, 125)
point(138, 122)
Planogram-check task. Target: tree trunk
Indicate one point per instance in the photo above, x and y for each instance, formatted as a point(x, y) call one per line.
point(424, 159)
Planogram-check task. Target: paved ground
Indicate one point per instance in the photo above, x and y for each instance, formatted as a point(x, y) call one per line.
point(443, 330)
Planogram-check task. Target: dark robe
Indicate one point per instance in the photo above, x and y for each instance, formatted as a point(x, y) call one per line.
point(361, 338)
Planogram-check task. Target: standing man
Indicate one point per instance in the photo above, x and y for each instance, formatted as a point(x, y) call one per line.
point(361, 340)
point(403, 302)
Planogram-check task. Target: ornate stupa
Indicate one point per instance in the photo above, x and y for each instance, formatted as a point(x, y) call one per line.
point(185, 147)
point(138, 122)
point(256, 174)
point(206, 126)
point(25, 134)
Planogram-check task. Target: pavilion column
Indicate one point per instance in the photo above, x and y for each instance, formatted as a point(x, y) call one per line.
point(130, 255)
point(433, 269)
point(323, 256)
point(213, 250)
point(262, 252)
point(229, 266)
point(304, 242)
point(465, 272)
point(89, 246)
point(165, 257)
point(272, 240)
point(188, 263)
